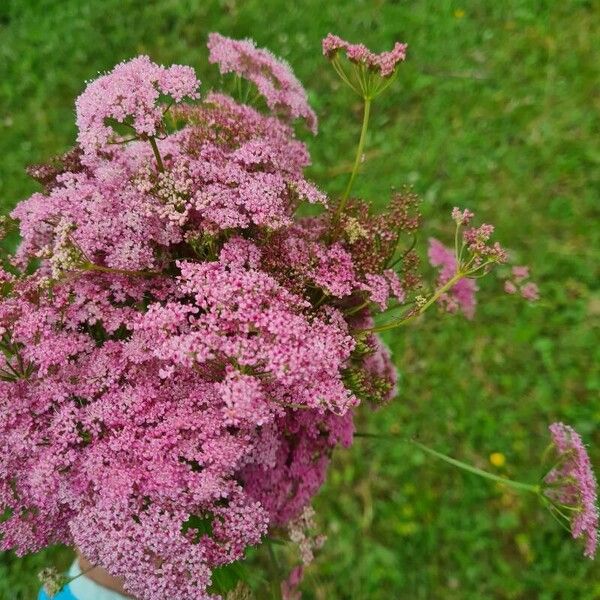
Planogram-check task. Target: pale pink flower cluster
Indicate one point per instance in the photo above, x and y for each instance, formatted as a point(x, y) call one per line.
point(519, 283)
point(462, 217)
point(301, 532)
point(385, 62)
point(272, 76)
point(290, 587)
point(473, 257)
point(382, 287)
point(571, 484)
point(477, 240)
point(180, 366)
point(129, 94)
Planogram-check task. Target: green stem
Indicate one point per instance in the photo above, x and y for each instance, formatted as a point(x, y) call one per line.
point(456, 252)
point(15, 372)
point(83, 572)
point(275, 569)
point(448, 285)
point(357, 308)
point(238, 86)
point(339, 69)
point(159, 162)
point(551, 508)
point(93, 267)
point(518, 485)
point(359, 154)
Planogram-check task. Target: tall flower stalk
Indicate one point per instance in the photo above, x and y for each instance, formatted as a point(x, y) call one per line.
point(368, 75)
point(359, 155)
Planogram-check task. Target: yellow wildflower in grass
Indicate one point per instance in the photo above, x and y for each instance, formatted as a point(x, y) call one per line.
point(497, 459)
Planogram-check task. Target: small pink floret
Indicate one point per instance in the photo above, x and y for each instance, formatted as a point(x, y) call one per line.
point(530, 292)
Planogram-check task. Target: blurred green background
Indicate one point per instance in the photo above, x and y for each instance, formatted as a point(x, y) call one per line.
point(496, 109)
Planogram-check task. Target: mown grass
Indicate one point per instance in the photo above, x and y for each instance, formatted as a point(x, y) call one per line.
point(496, 109)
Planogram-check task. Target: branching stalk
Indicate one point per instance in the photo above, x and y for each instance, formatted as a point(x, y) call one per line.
point(439, 292)
point(518, 485)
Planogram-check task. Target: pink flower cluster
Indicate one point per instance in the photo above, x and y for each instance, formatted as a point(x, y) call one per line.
point(461, 296)
point(129, 94)
point(244, 170)
point(187, 354)
point(477, 240)
point(571, 485)
point(518, 283)
point(473, 256)
point(385, 62)
point(272, 76)
point(182, 363)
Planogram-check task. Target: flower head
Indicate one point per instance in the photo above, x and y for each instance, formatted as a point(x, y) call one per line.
point(477, 240)
point(571, 484)
point(300, 531)
point(290, 587)
point(462, 217)
point(272, 76)
point(384, 63)
point(530, 291)
point(520, 272)
point(129, 94)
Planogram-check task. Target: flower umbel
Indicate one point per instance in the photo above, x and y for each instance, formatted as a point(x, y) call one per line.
point(518, 282)
point(129, 95)
point(384, 63)
point(571, 486)
point(272, 76)
point(300, 532)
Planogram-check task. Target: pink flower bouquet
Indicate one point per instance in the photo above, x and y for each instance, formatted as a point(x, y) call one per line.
point(183, 352)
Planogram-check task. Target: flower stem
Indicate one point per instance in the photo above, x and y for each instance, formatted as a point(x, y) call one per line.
point(518, 485)
point(447, 286)
point(456, 252)
point(82, 574)
point(442, 290)
point(359, 154)
point(89, 266)
point(159, 163)
point(357, 308)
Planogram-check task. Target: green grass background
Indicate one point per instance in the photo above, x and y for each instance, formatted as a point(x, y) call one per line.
point(495, 109)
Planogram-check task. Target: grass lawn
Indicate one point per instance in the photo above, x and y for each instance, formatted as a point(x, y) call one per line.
point(495, 109)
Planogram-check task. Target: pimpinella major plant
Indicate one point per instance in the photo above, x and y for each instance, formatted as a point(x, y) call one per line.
point(182, 352)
